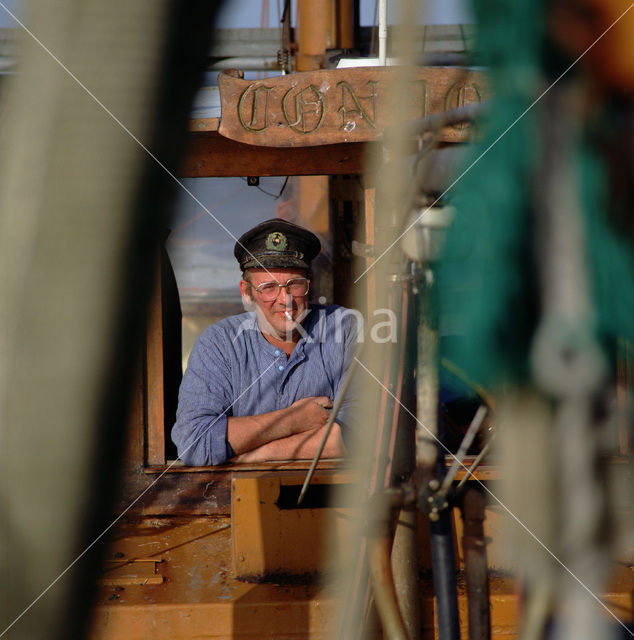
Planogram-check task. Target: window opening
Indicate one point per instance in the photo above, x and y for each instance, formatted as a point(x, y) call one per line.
point(200, 278)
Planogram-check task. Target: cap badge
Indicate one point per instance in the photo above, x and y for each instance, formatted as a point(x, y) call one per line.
point(276, 241)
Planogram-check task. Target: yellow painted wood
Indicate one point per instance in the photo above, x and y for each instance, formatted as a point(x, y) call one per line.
point(201, 597)
point(269, 540)
point(143, 572)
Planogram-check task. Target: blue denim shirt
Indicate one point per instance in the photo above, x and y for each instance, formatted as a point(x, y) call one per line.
point(234, 371)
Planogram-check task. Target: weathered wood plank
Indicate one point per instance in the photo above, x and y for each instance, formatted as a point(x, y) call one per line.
point(176, 494)
point(204, 124)
point(212, 155)
point(339, 106)
point(197, 490)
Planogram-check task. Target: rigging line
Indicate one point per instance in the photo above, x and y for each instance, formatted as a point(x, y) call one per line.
point(287, 7)
point(127, 130)
point(476, 462)
point(268, 193)
point(417, 219)
point(279, 195)
point(331, 420)
point(474, 427)
point(510, 513)
point(89, 546)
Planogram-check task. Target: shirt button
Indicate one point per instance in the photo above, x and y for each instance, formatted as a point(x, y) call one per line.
point(281, 367)
point(277, 352)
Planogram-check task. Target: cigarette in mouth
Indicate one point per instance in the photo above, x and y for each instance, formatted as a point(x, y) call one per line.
point(289, 317)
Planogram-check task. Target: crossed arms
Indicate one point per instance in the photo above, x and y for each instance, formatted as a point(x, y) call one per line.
point(285, 434)
point(235, 404)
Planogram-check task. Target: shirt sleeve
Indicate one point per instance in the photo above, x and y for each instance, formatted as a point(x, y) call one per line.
point(348, 413)
point(204, 402)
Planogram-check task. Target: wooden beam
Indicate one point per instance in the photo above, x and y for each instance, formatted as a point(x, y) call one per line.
point(212, 155)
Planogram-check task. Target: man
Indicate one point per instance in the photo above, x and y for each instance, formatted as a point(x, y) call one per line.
point(259, 385)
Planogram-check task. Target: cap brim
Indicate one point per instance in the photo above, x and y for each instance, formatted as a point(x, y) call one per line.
point(275, 262)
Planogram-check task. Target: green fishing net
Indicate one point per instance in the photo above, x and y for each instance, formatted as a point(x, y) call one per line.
point(488, 281)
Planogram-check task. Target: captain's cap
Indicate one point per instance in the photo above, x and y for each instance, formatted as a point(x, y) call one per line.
point(276, 243)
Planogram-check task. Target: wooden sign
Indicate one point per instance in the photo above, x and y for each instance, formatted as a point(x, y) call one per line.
point(336, 106)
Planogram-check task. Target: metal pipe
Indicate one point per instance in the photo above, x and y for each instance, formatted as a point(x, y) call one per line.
point(405, 568)
point(427, 373)
point(427, 460)
point(475, 559)
point(405, 546)
point(383, 32)
point(245, 63)
point(444, 569)
point(379, 550)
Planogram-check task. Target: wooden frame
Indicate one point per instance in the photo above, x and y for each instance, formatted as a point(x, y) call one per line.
point(152, 486)
point(154, 377)
point(211, 155)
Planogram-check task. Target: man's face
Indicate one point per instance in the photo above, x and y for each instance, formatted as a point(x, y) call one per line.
point(272, 314)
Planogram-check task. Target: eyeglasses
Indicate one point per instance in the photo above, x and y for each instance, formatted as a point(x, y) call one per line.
point(296, 287)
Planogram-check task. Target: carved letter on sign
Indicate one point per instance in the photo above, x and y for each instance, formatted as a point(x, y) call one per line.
point(347, 90)
point(253, 108)
point(309, 113)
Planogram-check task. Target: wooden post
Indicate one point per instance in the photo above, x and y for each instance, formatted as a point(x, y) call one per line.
point(344, 13)
point(314, 28)
point(314, 22)
point(370, 241)
point(154, 375)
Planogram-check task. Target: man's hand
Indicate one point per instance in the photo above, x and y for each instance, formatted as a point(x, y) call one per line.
point(309, 413)
point(249, 432)
point(299, 446)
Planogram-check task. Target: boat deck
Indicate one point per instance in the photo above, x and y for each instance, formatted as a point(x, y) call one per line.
point(172, 578)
